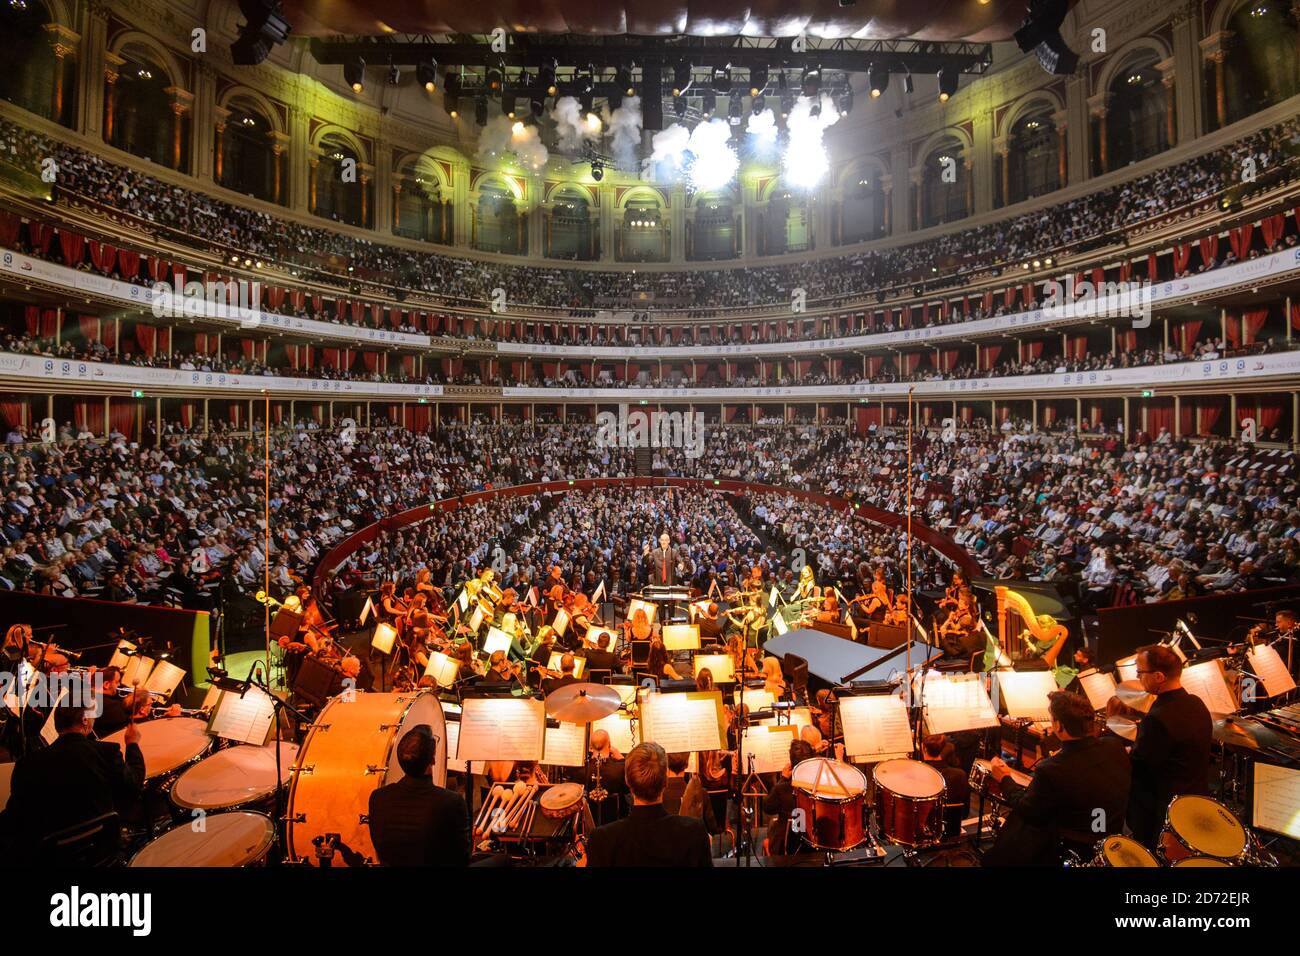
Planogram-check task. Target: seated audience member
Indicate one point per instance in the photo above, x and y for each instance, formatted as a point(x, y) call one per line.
point(649, 835)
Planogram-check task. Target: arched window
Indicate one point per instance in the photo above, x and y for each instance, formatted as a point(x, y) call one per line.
point(862, 216)
point(498, 225)
point(787, 227)
point(1136, 125)
point(715, 234)
point(34, 78)
point(246, 162)
point(1033, 156)
point(570, 233)
point(1262, 67)
point(421, 211)
point(339, 189)
point(943, 184)
point(643, 235)
point(139, 118)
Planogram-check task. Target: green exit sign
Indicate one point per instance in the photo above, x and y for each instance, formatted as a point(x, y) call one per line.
point(1148, 393)
point(137, 393)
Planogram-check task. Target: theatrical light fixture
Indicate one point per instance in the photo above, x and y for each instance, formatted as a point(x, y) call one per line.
point(265, 27)
point(480, 110)
point(947, 84)
point(681, 78)
point(494, 80)
point(597, 172)
point(722, 79)
point(877, 80)
point(909, 85)
point(845, 102)
point(546, 76)
point(426, 73)
point(757, 80)
point(394, 74)
point(709, 103)
point(811, 81)
point(450, 104)
point(679, 107)
point(624, 81)
point(508, 104)
point(1041, 34)
point(354, 74)
point(733, 110)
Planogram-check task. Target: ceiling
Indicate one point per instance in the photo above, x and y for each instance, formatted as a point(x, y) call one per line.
point(864, 19)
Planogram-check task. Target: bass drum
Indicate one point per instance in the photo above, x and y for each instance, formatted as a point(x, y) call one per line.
point(350, 751)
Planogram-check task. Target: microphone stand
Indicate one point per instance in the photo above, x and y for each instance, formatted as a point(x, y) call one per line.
point(280, 818)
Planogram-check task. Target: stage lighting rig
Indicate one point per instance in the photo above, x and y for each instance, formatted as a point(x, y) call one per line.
point(265, 27)
point(877, 80)
point(354, 74)
point(426, 74)
point(947, 84)
point(1041, 34)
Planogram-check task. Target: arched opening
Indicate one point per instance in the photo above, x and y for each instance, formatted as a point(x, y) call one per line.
point(421, 210)
point(570, 232)
point(786, 225)
point(1263, 58)
point(340, 193)
point(714, 234)
point(35, 77)
point(862, 215)
point(498, 225)
point(139, 115)
point(944, 193)
point(246, 161)
point(1033, 156)
point(643, 234)
point(1136, 124)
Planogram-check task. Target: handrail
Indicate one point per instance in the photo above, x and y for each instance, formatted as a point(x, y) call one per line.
point(329, 563)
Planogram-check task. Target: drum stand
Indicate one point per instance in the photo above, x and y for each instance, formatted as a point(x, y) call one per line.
point(280, 817)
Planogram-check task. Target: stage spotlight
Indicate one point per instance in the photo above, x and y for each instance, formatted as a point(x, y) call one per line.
point(597, 172)
point(508, 104)
point(877, 80)
point(451, 105)
point(757, 80)
point(709, 104)
point(593, 122)
point(679, 106)
point(845, 102)
point(948, 78)
point(652, 97)
point(908, 84)
point(758, 105)
point(624, 81)
point(681, 78)
point(787, 104)
point(722, 79)
point(811, 81)
point(733, 110)
point(494, 80)
point(1041, 33)
point(265, 27)
point(426, 73)
point(546, 76)
point(354, 74)
point(480, 111)
point(394, 74)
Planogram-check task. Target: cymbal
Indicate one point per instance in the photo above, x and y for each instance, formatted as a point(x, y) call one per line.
point(582, 703)
point(1122, 727)
point(1232, 734)
point(1130, 692)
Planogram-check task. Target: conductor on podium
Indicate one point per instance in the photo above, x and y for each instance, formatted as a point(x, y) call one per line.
point(662, 562)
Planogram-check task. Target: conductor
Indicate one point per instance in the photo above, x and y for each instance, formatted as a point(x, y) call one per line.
point(662, 560)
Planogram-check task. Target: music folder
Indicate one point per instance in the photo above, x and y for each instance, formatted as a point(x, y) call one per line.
point(502, 728)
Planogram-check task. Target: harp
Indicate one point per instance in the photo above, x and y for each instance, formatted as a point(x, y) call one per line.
point(1016, 615)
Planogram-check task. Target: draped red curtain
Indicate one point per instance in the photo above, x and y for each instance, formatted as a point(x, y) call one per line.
point(1033, 350)
point(1207, 416)
point(41, 235)
point(1252, 320)
point(103, 256)
point(1209, 250)
point(11, 414)
point(1271, 228)
point(89, 326)
point(73, 246)
point(275, 297)
point(371, 360)
point(1126, 339)
point(1188, 333)
point(408, 365)
point(1160, 415)
point(11, 224)
point(247, 346)
point(147, 336)
point(110, 334)
point(991, 355)
point(128, 263)
point(1239, 239)
point(1295, 315)
point(1182, 255)
point(89, 414)
point(1153, 267)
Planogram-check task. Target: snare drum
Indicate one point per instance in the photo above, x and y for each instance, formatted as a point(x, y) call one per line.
point(1123, 852)
point(1202, 861)
point(236, 777)
point(562, 800)
point(832, 798)
point(227, 839)
point(983, 782)
point(169, 745)
point(1200, 826)
point(350, 751)
point(909, 802)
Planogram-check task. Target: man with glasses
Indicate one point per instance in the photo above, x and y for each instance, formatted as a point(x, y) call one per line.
point(1171, 756)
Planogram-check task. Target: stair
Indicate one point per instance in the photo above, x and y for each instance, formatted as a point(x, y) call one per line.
point(644, 461)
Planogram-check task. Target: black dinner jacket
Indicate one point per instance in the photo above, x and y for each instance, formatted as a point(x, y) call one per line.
point(414, 822)
point(1171, 756)
point(651, 836)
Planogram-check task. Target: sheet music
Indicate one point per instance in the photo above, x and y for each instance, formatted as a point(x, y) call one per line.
point(619, 727)
point(502, 729)
point(561, 622)
point(683, 722)
point(119, 659)
point(565, 745)
point(496, 640)
point(246, 720)
point(955, 703)
point(553, 663)
point(757, 698)
point(1276, 803)
point(1269, 667)
point(462, 601)
point(720, 666)
point(137, 670)
point(635, 604)
point(48, 733)
point(1025, 693)
point(1127, 667)
point(1099, 687)
point(770, 747)
point(1206, 680)
point(796, 716)
point(453, 741)
point(476, 618)
point(681, 637)
point(875, 726)
point(366, 610)
point(164, 679)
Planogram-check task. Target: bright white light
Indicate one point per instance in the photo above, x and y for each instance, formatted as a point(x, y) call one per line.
point(713, 162)
point(806, 161)
point(762, 126)
point(593, 122)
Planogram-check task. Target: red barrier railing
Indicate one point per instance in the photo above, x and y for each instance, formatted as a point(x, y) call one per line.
point(923, 533)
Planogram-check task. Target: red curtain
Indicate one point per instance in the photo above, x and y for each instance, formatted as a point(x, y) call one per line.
point(41, 235)
point(103, 256)
point(89, 326)
point(329, 358)
point(1188, 333)
point(275, 297)
point(1182, 255)
point(988, 301)
point(1126, 339)
point(1209, 250)
point(11, 413)
point(89, 413)
point(371, 359)
point(1160, 414)
point(110, 334)
point(408, 365)
point(1153, 267)
point(1232, 330)
point(147, 336)
point(128, 263)
point(991, 355)
point(1269, 411)
point(247, 346)
point(1295, 315)
point(357, 310)
point(11, 224)
point(1239, 239)
point(1272, 228)
point(1251, 322)
point(1207, 416)
point(1009, 297)
point(1033, 350)
point(74, 247)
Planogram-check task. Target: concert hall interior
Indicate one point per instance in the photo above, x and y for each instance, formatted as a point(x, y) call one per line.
point(846, 434)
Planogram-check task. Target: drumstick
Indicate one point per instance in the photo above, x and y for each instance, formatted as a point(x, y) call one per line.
point(503, 816)
point(493, 797)
point(524, 803)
